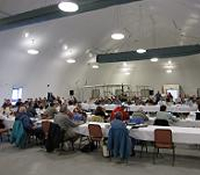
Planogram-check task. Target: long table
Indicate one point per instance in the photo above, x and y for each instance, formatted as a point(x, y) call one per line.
point(188, 122)
point(154, 108)
point(182, 135)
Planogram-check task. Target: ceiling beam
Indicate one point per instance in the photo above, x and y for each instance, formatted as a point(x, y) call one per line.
point(52, 12)
point(166, 52)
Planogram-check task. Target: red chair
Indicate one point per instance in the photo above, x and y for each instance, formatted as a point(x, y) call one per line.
point(95, 133)
point(163, 140)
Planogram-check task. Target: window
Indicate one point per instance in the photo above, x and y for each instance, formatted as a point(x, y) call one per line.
point(16, 94)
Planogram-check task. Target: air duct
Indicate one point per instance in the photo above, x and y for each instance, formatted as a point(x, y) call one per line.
point(52, 12)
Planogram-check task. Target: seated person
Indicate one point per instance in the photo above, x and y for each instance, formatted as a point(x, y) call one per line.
point(99, 111)
point(164, 115)
point(51, 110)
point(27, 122)
point(71, 106)
point(122, 109)
point(64, 120)
point(96, 118)
point(78, 116)
point(139, 114)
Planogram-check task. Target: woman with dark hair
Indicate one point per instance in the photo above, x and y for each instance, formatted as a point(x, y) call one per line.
point(100, 112)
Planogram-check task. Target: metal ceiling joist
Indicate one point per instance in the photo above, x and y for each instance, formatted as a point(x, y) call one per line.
point(168, 52)
point(52, 12)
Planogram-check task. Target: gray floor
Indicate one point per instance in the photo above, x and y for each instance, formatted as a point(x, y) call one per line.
point(35, 161)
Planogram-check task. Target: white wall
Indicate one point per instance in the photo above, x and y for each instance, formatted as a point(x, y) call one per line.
point(186, 73)
point(34, 73)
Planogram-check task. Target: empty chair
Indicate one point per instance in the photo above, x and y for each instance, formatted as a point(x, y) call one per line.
point(45, 128)
point(95, 133)
point(163, 140)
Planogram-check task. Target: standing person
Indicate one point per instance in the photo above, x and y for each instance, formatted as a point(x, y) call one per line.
point(157, 97)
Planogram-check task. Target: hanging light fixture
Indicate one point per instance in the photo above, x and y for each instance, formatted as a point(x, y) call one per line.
point(118, 36)
point(118, 33)
point(71, 61)
point(127, 73)
point(154, 59)
point(33, 52)
point(169, 71)
point(68, 6)
point(140, 51)
point(95, 66)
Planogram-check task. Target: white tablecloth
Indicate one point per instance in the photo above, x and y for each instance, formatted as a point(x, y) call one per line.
point(154, 108)
point(182, 135)
point(83, 129)
point(188, 122)
point(8, 122)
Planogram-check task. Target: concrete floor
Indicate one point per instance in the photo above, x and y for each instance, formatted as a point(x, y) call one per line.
point(35, 161)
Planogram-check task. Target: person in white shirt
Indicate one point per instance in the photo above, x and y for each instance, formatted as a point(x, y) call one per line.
point(164, 115)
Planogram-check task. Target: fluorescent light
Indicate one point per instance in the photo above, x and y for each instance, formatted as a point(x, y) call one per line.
point(154, 59)
point(169, 71)
point(125, 69)
point(95, 66)
point(26, 35)
point(169, 66)
point(33, 51)
point(124, 64)
point(68, 6)
point(71, 61)
point(117, 36)
point(127, 73)
point(140, 50)
point(65, 47)
point(169, 62)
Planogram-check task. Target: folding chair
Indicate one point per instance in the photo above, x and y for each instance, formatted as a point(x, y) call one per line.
point(163, 140)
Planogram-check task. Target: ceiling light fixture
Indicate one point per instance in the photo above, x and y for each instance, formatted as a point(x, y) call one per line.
point(68, 6)
point(33, 51)
point(125, 69)
point(71, 61)
point(124, 64)
point(95, 66)
point(65, 47)
point(26, 35)
point(140, 51)
point(127, 73)
point(169, 71)
point(154, 59)
point(117, 36)
point(169, 62)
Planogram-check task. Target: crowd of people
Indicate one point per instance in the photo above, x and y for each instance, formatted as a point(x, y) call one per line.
point(158, 98)
point(67, 114)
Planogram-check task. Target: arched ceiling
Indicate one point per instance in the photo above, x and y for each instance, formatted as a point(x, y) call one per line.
point(147, 24)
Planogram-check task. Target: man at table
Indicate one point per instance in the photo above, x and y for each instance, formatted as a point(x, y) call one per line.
point(164, 115)
point(64, 120)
